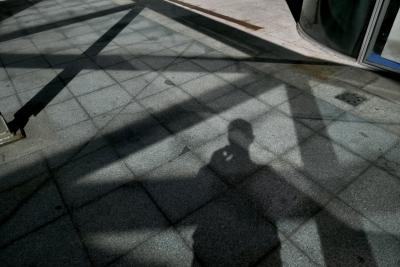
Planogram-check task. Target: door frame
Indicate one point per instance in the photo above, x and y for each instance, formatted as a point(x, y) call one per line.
point(371, 35)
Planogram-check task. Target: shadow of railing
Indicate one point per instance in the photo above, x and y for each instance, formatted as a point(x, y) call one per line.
point(54, 87)
point(200, 113)
point(60, 23)
point(10, 8)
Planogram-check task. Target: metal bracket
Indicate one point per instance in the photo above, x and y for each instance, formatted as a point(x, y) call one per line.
point(6, 136)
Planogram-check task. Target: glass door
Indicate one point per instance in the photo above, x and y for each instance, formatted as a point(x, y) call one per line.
point(384, 47)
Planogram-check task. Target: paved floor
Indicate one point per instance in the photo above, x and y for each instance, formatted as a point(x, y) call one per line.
point(157, 137)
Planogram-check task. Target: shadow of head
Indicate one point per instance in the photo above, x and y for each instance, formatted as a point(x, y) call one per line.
point(240, 133)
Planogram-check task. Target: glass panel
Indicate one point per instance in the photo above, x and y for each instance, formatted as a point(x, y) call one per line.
point(339, 24)
point(384, 49)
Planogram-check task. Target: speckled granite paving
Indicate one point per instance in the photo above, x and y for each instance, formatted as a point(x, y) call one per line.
point(157, 137)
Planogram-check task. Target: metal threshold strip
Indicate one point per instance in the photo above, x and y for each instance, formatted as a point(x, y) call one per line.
point(218, 15)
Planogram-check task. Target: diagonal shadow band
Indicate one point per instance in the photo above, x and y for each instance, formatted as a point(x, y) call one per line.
point(53, 88)
point(46, 94)
point(10, 8)
point(174, 113)
point(154, 56)
point(40, 100)
point(40, 28)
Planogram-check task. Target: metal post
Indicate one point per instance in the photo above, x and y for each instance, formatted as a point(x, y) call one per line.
point(6, 136)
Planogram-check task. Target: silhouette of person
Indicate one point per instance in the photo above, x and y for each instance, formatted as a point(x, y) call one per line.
point(232, 162)
point(232, 230)
point(232, 233)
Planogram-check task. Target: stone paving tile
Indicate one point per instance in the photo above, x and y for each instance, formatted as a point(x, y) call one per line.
point(3, 73)
point(102, 4)
point(55, 46)
point(239, 75)
point(7, 88)
point(21, 170)
point(126, 30)
point(111, 57)
point(46, 36)
point(66, 114)
point(26, 66)
point(213, 61)
point(288, 255)
point(267, 66)
point(102, 24)
point(40, 136)
point(92, 176)
point(207, 88)
point(360, 136)
point(90, 82)
point(29, 18)
point(57, 244)
point(390, 161)
point(382, 112)
point(212, 232)
point(166, 249)
point(141, 23)
point(376, 194)
point(62, 96)
point(311, 111)
point(6, 28)
point(20, 55)
point(339, 236)
point(127, 70)
point(118, 223)
point(172, 40)
point(75, 30)
point(27, 207)
point(222, 47)
point(151, 151)
point(161, 59)
point(137, 85)
point(354, 76)
point(286, 197)
point(238, 105)
point(183, 72)
point(277, 132)
point(33, 79)
point(128, 123)
point(317, 72)
point(15, 45)
point(69, 70)
point(84, 42)
point(104, 100)
point(144, 48)
point(193, 49)
point(330, 165)
point(329, 90)
point(233, 161)
point(195, 130)
point(63, 56)
point(89, 42)
point(298, 78)
point(163, 103)
point(156, 32)
point(271, 91)
point(70, 141)
point(9, 104)
point(129, 39)
point(182, 185)
point(384, 87)
point(146, 86)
